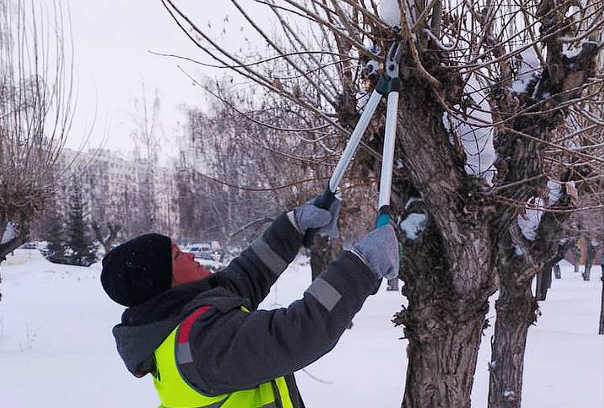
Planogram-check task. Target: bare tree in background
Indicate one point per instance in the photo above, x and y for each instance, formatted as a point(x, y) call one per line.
point(36, 107)
point(499, 116)
point(593, 227)
point(596, 230)
point(146, 134)
point(109, 238)
point(253, 157)
point(247, 170)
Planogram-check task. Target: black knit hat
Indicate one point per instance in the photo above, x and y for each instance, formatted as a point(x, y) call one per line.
point(138, 270)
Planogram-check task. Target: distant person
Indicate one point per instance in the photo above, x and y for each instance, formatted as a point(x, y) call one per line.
point(200, 334)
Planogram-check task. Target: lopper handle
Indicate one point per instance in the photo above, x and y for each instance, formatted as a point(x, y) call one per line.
point(324, 201)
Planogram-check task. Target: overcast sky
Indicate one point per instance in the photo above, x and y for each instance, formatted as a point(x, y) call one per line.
point(112, 40)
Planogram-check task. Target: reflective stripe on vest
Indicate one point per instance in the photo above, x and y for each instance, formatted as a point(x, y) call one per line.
point(175, 392)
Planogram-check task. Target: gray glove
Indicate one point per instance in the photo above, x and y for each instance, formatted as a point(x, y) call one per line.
point(379, 250)
point(309, 216)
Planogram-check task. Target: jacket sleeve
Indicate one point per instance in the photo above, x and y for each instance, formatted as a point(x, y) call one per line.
point(238, 350)
point(252, 273)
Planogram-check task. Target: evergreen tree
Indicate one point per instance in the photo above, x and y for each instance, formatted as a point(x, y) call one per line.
point(55, 251)
point(81, 249)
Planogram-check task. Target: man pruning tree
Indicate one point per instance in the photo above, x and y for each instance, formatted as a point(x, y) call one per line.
point(200, 334)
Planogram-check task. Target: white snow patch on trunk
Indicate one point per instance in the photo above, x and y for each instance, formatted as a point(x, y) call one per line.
point(573, 52)
point(527, 64)
point(9, 234)
point(529, 222)
point(555, 191)
point(475, 134)
point(413, 225)
point(446, 122)
point(573, 49)
point(509, 394)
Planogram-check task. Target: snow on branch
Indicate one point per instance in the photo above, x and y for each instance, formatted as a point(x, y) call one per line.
point(474, 131)
point(536, 207)
point(390, 12)
point(413, 225)
point(527, 69)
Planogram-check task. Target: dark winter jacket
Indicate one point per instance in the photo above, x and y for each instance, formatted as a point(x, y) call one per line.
point(235, 350)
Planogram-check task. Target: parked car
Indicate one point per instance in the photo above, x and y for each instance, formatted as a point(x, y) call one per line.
point(29, 245)
point(209, 251)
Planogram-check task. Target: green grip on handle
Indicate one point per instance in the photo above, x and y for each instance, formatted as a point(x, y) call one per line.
point(383, 216)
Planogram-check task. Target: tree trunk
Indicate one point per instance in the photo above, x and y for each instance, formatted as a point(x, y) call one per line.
point(540, 288)
point(544, 282)
point(441, 365)
point(546, 273)
point(516, 309)
point(587, 272)
point(444, 329)
point(576, 257)
point(448, 271)
point(589, 259)
point(557, 272)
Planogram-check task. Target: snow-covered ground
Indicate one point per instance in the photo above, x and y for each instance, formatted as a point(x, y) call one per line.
point(56, 348)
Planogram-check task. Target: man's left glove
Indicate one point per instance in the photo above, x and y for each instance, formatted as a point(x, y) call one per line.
point(309, 216)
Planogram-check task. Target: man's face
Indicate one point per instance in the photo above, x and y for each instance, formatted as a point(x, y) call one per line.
point(184, 267)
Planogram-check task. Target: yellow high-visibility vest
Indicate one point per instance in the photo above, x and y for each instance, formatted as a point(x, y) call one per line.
point(175, 392)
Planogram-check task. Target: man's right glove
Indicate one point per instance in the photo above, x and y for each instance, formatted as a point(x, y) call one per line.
point(309, 216)
point(379, 250)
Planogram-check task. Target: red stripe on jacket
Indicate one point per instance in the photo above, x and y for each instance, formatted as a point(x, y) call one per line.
point(187, 324)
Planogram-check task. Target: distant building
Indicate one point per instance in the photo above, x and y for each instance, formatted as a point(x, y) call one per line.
point(139, 196)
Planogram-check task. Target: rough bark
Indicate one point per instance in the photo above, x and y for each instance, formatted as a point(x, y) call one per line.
point(516, 311)
point(544, 282)
point(448, 275)
point(443, 329)
point(589, 259)
point(516, 306)
point(441, 368)
point(587, 272)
